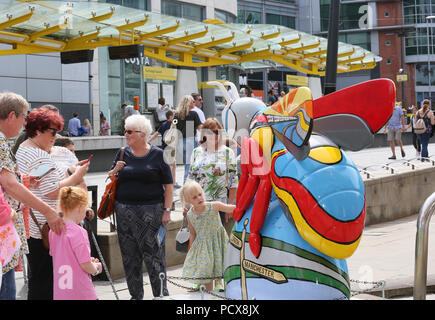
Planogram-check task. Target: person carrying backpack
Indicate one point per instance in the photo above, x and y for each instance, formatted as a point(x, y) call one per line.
point(423, 127)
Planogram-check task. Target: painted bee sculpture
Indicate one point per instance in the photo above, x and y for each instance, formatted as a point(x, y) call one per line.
point(300, 205)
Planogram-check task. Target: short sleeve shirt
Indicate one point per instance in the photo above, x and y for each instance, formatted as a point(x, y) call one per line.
point(395, 121)
point(69, 250)
point(142, 178)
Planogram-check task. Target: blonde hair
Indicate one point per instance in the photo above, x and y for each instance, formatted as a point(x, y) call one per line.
point(186, 191)
point(71, 197)
point(183, 107)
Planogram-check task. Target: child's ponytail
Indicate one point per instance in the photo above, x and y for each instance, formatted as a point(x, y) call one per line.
point(71, 197)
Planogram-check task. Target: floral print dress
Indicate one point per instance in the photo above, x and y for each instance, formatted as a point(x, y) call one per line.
point(215, 171)
point(205, 259)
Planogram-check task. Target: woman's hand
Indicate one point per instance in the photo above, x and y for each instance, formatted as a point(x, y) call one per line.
point(166, 218)
point(90, 214)
point(56, 223)
point(81, 170)
point(118, 167)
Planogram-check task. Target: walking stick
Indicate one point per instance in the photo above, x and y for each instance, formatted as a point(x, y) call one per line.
point(103, 263)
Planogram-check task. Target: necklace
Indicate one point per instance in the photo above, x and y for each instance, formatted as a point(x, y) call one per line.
point(38, 145)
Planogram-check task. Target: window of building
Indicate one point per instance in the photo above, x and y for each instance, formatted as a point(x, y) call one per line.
point(286, 21)
point(386, 14)
point(416, 11)
point(248, 17)
point(182, 10)
point(224, 16)
point(388, 43)
point(388, 61)
point(422, 74)
point(361, 39)
point(350, 15)
point(137, 4)
point(416, 42)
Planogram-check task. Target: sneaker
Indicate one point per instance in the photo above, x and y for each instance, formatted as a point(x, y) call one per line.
point(403, 153)
point(392, 158)
point(177, 186)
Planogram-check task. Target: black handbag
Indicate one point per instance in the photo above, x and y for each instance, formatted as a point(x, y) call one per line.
point(182, 238)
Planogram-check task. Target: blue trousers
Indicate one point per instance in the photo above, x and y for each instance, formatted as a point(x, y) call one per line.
point(8, 289)
point(424, 139)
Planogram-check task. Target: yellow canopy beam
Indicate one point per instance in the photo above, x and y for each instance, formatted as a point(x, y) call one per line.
point(303, 48)
point(214, 42)
point(284, 43)
point(102, 17)
point(189, 37)
point(315, 53)
point(48, 30)
point(13, 21)
point(235, 48)
point(132, 25)
point(159, 31)
point(271, 36)
point(80, 41)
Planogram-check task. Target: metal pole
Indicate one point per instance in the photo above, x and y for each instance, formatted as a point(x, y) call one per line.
point(331, 56)
point(429, 40)
point(421, 246)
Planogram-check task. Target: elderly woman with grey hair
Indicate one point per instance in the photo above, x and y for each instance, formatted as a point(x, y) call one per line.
point(143, 203)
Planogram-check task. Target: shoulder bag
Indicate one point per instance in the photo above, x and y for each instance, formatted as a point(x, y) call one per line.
point(182, 238)
point(44, 230)
point(107, 204)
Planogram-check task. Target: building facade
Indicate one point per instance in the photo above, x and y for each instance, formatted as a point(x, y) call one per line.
point(398, 31)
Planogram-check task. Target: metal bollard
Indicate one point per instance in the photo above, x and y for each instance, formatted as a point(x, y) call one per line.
point(421, 245)
point(202, 290)
point(162, 279)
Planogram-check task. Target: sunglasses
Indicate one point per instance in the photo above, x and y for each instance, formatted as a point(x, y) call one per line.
point(53, 131)
point(131, 131)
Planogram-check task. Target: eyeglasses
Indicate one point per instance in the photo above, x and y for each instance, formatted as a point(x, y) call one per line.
point(53, 131)
point(131, 131)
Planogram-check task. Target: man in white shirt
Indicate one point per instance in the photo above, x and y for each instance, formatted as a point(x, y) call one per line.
point(198, 106)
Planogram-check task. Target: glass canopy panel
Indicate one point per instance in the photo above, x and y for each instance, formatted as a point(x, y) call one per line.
point(49, 14)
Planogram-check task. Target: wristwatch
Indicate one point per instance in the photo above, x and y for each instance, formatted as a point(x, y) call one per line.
point(167, 209)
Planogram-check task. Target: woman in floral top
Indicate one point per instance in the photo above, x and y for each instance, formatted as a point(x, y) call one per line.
point(13, 110)
point(213, 166)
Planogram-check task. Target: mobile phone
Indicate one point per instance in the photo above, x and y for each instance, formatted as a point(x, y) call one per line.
point(89, 159)
point(42, 171)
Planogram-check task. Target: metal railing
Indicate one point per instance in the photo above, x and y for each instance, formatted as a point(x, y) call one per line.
point(421, 246)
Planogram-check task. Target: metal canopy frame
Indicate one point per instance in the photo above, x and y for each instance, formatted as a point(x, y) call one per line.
point(57, 26)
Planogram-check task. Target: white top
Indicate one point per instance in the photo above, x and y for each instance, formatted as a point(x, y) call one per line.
point(161, 112)
point(28, 159)
point(63, 157)
point(200, 113)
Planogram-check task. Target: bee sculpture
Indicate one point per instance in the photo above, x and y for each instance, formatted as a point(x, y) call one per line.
point(300, 206)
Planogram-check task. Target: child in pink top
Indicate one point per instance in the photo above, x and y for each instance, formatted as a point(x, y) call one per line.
point(72, 262)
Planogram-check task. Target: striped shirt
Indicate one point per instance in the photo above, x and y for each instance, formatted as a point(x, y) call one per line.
point(28, 159)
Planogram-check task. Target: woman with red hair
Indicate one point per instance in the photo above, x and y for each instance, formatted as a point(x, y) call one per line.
point(41, 126)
